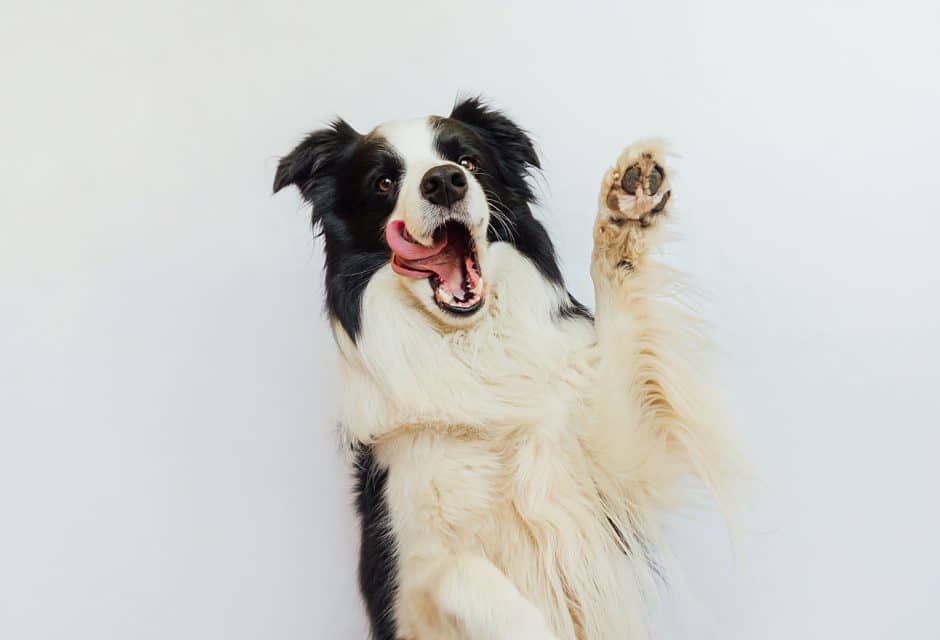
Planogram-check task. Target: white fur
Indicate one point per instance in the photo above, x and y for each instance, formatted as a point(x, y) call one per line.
point(514, 442)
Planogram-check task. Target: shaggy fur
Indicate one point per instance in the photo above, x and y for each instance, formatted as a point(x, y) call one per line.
point(511, 462)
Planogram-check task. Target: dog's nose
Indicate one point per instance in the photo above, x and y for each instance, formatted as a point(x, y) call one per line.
point(444, 185)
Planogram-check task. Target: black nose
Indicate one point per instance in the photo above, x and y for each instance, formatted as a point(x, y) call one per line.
point(444, 185)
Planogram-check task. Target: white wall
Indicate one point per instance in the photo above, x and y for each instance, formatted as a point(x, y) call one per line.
point(168, 467)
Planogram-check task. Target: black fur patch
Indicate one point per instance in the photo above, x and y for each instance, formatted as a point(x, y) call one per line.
point(574, 309)
point(377, 558)
point(335, 170)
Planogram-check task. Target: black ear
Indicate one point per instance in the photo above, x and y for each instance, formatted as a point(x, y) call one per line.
point(317, 156)
point(509, 141)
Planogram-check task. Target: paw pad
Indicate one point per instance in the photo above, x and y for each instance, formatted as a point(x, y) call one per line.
point(640, 191)
point(653, 179)
point(631, 179)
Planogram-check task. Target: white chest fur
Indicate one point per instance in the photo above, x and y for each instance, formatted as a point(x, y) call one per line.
point(518, 365)
point(480, 430)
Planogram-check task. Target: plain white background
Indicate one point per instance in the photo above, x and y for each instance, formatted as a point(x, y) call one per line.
point(168, 461)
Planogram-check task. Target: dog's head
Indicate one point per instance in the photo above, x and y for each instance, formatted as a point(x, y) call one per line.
point(426, 195)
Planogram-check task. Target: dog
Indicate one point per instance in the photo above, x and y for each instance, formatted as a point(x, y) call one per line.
point(513, 452)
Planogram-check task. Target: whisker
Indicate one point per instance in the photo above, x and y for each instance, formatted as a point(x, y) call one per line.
point(501, 214)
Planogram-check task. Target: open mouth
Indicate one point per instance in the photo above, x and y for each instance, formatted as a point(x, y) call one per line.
point(450, 264)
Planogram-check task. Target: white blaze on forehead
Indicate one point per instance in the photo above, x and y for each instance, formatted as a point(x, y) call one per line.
point(413, 141)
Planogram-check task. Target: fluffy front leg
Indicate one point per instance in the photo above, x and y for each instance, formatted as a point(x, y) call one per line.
point(442, 492)
point(656, 420)
point(465, 597)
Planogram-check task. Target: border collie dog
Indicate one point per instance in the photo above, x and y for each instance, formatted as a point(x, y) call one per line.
point(514, 452)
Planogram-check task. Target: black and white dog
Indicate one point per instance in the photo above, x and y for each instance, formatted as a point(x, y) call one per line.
point(513, 452)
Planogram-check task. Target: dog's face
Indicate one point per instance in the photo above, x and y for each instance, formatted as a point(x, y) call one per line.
point(437, 227)
point(426, 196)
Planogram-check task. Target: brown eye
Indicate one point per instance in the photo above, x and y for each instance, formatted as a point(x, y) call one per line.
point(383, 185)
point(467, 163)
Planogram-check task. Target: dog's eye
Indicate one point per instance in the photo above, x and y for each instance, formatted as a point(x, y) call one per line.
point(468, 163)
point(383, 185)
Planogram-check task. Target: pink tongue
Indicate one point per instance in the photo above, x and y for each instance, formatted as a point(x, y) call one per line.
point(417, 261)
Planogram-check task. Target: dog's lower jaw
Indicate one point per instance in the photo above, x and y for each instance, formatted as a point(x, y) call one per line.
point(421, 294)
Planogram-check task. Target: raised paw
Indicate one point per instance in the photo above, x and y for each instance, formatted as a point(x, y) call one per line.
point(634, 193)
point(637, 189)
